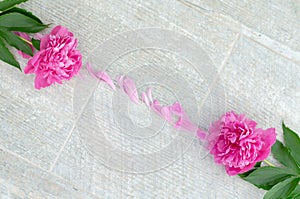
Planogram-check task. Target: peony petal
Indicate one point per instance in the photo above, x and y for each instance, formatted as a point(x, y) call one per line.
point(149, 94)
point(120, 81)
point(187, 125)
point(40, 82)
point(156, 107)
point(251, 124)
point(29, 69)
point(234, 171)
point(268, 136)
point(166, 113)
point(178, 124)
point(130, 89)
point(38, 36)
point(106, 78)
point(263, 154)
point(177, 109)
point(103, 76)
point(201, 134)
point(145, 99)
point(61, 31)
point(24, 55)
point(90, 70)
point(44, 42)
point(183, 121)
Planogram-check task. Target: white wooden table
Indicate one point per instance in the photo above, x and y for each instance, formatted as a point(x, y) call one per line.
point(254, 45)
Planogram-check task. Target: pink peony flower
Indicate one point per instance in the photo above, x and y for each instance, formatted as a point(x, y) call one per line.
point(27, 38)
point(57, 60)
point(236, 143)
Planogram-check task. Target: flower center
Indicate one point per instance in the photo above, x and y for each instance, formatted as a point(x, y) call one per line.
point(240, 146)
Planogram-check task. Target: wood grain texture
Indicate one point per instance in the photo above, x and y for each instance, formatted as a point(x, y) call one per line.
point(19, 179)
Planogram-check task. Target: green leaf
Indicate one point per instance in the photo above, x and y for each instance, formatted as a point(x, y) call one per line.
point(24, 12)
point(36, 43)
point(7, 4)
point(295, 194)
point(22, 23)
point(292, 142)
point(243, 175)
point(267, 177)
point(282, 189)
point(282, 154)
point(7, 57)
point(15, 41)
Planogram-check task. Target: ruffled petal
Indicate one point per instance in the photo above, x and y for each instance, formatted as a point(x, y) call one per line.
point(40, 82)
point(44, 42)
point(268, 136)
point(29, 69)
point(234, 171)
point(61, 31)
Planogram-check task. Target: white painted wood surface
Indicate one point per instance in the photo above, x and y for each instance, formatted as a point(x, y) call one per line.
point(255, 45)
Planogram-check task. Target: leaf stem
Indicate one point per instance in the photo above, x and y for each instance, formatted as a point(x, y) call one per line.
point(25, 40)
point(269, 163)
